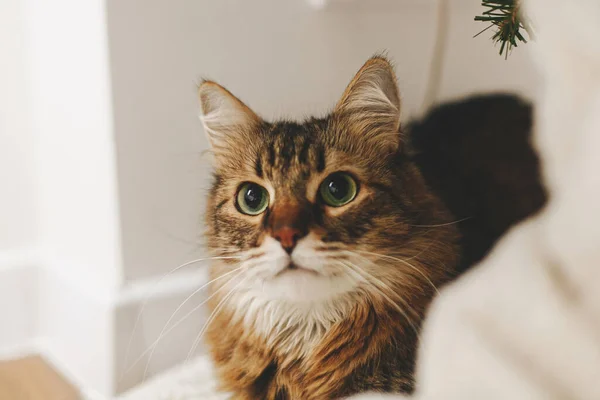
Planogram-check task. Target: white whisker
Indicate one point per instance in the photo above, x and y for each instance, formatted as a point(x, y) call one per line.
point(183, 303)
point(209, 320)
point(175, 325)
point(370, 277)
point(438, 225)
point(414, 268)
point(146, 299)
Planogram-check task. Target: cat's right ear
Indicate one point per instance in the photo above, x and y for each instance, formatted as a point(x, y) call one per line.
point(227, 121)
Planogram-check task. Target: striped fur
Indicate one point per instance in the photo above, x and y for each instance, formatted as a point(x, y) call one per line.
point(348, 320)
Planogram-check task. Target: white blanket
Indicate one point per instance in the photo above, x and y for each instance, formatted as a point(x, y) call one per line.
point(193, 381)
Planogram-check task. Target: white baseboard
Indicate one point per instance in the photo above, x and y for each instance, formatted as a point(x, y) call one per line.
point(86, 336)
point(159, 300)
point(77, 332)
point(26, 348)
point(18, 301)
point(61, 365)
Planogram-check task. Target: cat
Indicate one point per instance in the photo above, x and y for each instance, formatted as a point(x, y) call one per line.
point(330, 238)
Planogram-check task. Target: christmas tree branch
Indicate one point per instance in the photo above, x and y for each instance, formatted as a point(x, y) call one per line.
point(507, 17)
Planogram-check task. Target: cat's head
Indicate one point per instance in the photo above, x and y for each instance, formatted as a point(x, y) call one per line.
point(304, 213)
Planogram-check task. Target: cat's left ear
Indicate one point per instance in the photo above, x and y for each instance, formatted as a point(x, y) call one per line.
point(227, 121)
point(370, 105)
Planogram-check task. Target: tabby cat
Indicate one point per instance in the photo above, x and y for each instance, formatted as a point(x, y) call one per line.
point(332, 236)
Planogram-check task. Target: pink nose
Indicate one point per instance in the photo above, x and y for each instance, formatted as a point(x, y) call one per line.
point(288, 237)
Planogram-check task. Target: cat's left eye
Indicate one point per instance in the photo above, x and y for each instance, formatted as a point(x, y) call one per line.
point(338, 189)
point(252, 199)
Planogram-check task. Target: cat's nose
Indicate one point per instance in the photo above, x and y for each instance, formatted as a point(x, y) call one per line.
point(288, 236)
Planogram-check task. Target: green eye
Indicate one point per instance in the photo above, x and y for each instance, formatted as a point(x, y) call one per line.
point(252, 199)
point(338, 189)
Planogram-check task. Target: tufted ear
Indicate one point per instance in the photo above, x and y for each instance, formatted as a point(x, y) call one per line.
point(227, 121)
point(371, 104)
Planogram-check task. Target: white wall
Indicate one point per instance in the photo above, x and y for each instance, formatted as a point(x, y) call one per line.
point(474, 65)
point(60, 259)
point(18, 211)
point(284, 58)
point(17, 187)
point(72, 116)
point(80, 266)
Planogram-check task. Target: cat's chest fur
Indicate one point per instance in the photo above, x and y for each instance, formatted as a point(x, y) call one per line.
point(353, 355)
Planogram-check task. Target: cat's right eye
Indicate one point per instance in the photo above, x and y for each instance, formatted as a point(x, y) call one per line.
point(252, 199)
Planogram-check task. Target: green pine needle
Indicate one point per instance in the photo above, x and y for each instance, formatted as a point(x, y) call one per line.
point(505, 15)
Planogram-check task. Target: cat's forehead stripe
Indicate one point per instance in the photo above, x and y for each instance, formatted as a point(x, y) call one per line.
point(271, 149)
point(288, 151)
point(303, 154)
point(290, 145)
point(321, 158)
point(258, 167)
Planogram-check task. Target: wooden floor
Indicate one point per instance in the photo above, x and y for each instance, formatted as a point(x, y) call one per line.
point(33, 379)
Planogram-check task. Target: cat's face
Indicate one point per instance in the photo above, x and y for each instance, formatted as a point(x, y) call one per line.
point(325, 209)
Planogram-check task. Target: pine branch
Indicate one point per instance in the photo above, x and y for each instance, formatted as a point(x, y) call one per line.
point(506, 16)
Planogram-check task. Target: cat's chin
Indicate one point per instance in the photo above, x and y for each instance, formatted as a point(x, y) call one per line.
point(301, 285)
point(297, 270)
